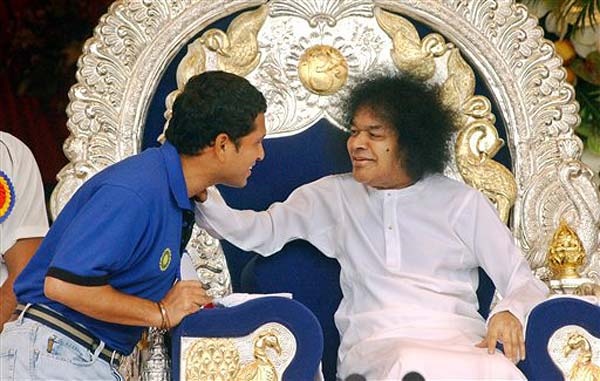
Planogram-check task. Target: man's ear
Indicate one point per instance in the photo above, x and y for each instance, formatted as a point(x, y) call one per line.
point(220, 146)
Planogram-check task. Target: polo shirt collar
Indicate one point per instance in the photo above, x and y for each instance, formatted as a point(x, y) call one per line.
point(175, 175)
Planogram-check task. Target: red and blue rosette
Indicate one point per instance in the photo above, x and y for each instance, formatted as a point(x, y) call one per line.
point(7, 196)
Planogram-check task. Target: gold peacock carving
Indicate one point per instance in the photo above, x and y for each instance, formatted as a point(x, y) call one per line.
point(237, 53)
point(409, 53)
point(476, 145)
point(237, 50)
point(261, 369)
point(219, 359)
point(583, 369)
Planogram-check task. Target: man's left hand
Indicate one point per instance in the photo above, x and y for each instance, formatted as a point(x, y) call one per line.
point(506, 328)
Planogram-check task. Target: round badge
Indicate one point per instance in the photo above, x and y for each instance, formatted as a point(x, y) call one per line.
point(7, 196)
point(165, 259)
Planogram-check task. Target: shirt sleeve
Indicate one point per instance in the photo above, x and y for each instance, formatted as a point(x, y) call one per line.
point(494, 248)
point(102, 238)
point(28, 218)
point(311, 213)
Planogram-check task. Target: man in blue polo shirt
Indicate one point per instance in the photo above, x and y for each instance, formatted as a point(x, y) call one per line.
point(109, 265)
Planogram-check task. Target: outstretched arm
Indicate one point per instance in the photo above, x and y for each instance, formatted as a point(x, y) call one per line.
point(311, 212)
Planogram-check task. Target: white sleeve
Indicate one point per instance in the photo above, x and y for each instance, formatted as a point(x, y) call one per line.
point(311, 212)
point(494, 247)
point(28, 217)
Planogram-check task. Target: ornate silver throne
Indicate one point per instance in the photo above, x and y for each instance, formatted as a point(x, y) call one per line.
point(496, 70)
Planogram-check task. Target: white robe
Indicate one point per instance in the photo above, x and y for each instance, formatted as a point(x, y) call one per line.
point(409, 260)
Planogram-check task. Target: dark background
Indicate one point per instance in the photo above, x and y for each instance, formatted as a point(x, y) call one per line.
point(40, 42)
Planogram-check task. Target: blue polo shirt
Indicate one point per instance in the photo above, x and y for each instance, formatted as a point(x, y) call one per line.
point(122, 228)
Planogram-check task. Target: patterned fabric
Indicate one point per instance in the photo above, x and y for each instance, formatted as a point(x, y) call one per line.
point(7, 196)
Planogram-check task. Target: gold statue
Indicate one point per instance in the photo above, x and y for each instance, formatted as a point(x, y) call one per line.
point(261, 369)
point(583, 369)
point(566, 253)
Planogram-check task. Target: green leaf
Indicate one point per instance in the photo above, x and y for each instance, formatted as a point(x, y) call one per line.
point(584, 130)
point(593, 144)
point(588, 96)
point(553, 3)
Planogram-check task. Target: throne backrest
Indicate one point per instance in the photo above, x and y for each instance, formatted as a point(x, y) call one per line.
point(490, 56)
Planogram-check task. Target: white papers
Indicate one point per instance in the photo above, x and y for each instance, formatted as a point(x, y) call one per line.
point(187, 269)
point(239, 298)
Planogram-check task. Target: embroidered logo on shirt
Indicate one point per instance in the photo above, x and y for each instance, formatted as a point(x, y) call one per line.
point(7, 196)
point(165, 259)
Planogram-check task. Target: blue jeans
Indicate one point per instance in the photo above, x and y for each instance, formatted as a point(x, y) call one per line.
point(32, 351)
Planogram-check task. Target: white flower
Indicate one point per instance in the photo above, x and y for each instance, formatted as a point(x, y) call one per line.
point(556, 25)
point(586, 40)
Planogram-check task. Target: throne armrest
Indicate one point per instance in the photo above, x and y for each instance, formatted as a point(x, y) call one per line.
point(546, 344)
point(244, 325)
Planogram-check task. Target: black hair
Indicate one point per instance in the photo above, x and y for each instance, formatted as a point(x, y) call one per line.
point(423, 124)
point(211, 103)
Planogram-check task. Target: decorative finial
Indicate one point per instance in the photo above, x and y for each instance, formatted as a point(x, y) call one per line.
point(566, 254)
point(565, 258)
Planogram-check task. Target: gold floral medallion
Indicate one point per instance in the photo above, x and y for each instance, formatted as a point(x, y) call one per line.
point(323, 69)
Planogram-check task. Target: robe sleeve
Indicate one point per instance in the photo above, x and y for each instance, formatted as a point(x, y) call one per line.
point(311, 212)
point(497, 253)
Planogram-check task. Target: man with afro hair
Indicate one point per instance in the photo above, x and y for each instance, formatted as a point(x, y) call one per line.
point(409, 241)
